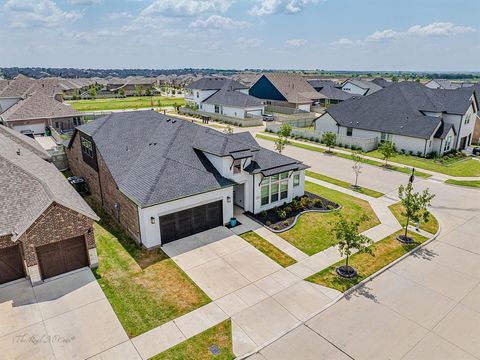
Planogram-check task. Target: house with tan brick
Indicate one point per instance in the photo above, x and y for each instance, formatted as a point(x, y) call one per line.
point(164, 179)
point(46, 228)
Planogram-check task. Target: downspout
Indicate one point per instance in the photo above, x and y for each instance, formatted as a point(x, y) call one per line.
point(425, 148)
point(253, 194)
point(459, 133)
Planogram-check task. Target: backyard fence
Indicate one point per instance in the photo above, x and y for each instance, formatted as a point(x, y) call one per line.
point(250, 120)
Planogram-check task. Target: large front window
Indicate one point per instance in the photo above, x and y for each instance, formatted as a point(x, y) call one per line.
point(448, 143)
point(274, 188)
point(386, 137)
point(296, 180)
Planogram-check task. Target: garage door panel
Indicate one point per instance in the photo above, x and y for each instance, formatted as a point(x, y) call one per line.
point(62, 256)
point(11, 264)
point(191, 221)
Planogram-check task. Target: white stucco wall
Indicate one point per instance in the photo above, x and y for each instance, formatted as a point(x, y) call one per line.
point(326, 123)
point(150, 233)
point(202, 95)
point(353, 89)
point(235, 112)
point(304, 107)
point(37, 128)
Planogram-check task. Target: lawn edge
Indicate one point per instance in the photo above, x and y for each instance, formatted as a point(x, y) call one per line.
point(461, 186)
point(344, 294)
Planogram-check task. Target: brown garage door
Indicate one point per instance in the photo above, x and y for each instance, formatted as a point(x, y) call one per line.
point(11, 264)
point(62, 256)
point(191, 221)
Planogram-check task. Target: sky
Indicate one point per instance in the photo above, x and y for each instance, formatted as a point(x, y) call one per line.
point(381, 35)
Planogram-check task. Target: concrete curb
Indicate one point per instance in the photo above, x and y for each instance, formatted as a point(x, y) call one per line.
point(345, 294)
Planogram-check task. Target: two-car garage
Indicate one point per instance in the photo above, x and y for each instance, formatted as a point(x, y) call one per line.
point(191, 221)
point(11, 264)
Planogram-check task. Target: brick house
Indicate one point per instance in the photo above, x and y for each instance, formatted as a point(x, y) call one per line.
point(163, 178)
point(46, 228)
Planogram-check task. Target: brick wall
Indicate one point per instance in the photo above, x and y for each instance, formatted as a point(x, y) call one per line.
point(55, 224)
point(103, 186)
point(6, 241)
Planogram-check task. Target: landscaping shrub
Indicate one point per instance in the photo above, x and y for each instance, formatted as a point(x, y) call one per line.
point(282, 215)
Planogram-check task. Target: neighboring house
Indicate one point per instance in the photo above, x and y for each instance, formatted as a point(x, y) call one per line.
point(285, 89)
point(330, 95)
point(382, 82)
point(319, 84)
point(200, 90)
point(134, 85)
point(38, 111)
point(164, 179)
point(446, 84)
point(360, 87)
point(46, 228)
point(233, 103)
point(412, 116)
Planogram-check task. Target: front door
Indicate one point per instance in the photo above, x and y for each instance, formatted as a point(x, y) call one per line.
point(239, 195)
point(463, 142)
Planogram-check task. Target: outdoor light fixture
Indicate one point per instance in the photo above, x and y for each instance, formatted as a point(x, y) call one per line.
point(229, 199)
point(89, 231)
point(152, 220)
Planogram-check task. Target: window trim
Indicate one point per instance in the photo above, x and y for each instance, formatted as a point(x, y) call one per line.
point(296, 180)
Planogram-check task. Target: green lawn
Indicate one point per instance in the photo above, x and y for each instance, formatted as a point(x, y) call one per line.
point(464, 167)
point(430, 226)
point(305, 145)
point(198, 347)
point(385, 251)
point(313, 231)
point(344, 184)
point(146, 288)
point(268, 249)
point(131, 102)
point(465, 183)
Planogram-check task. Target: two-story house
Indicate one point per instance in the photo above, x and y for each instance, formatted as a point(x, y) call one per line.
point(414, 117)
point(164, 178)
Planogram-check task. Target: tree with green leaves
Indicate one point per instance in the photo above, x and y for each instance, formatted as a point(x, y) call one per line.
point(387, 149)
point(121, 92)
point(394, 79)
point(138, 90)
point(92, 92)
point(282, 139)
point(148, 92)
point(357, 166)
point(415, 205)
point(329, 139)
point(349, 239)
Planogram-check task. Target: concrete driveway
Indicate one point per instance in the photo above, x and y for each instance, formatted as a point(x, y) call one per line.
point(65, 318)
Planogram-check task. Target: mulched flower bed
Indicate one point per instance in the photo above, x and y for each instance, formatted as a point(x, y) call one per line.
point(282, 217)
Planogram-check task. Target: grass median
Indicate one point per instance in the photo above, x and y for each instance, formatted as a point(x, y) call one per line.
point(385, 251)
point(464, 183)
point(344, 184)
point(268, 249)
point(431, 226)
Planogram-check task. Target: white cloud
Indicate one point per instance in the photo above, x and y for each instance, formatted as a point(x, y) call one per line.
point(41, 13)
point(186, 7)
point(249, 42)
point(85, 2)
point(343, 41)
point(439, 29)
point(296, 43)
point(433, 29)
point(270, 7)
point(218, 22)
point(118, 15)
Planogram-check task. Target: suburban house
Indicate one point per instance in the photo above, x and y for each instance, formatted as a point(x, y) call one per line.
point(164, 179)
point(286, 90)
point(32, 105)
point(382, 82)
point(46, 228)
point(331, 95)
point(201, 89)
point(360, 87)
point(415, 118)
point(446, 84)
point(133, 85)
point(319, 84)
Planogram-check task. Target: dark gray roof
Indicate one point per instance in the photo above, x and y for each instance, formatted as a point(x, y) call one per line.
point(371, 87)
point(333, 93)
point(449, 85)
point(455, 101)
point(443, 130)
point(318, 83)
point(29, 185)
point(215, 83)
point(228, 96)
point(155, 159)
point(381, 82)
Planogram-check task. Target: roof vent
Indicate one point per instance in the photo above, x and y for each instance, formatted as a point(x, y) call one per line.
point(126, 148)
point(18, 152)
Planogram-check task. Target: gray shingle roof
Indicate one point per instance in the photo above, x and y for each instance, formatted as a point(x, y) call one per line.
point(227, 96)
point(25, 141)
point(28, 185)
point(155, 159)
point(38, 106)
point(330, 92)
point(449, 85)
point(381, 82)
point(370, 86)
point(317, 83)
point(443, 130)
point(398, 109)
point(215, 83)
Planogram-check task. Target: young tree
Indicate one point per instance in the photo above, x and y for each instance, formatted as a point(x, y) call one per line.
point(138, 90)
point(148, 92)
point(282, 139)
point(228, 130)
point(329, 138)
point(92, 92)
point(349, 239)
point(387, 149)
point(121, 92)
point(415, 206)
point(357, 166)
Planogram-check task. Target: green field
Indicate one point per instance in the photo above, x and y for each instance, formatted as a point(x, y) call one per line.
point(132, 102)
